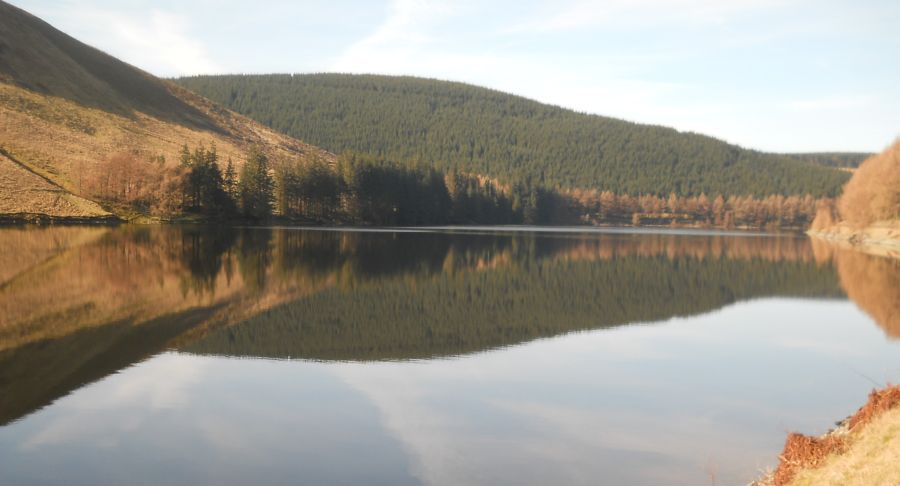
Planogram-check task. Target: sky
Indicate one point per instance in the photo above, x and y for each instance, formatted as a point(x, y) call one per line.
point(774, 75)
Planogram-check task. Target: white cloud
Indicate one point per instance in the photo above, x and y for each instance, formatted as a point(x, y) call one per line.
point(411, 40)
point(157, 41)
point(626, 13)
point(404, 33)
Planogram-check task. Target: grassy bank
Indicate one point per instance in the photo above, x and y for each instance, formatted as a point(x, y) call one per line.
point(863, 450)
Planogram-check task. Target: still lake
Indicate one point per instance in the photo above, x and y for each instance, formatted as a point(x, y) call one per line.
point(445, 356)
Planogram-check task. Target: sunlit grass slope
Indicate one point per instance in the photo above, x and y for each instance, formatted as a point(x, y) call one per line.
point(65, 107)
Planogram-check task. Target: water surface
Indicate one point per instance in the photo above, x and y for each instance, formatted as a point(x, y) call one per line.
point(436, 356)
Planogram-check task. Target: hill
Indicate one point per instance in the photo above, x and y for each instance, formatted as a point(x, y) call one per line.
point(454, 125)
point(66, 107)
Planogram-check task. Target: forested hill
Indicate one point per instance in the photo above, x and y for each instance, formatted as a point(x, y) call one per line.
point(454, 125)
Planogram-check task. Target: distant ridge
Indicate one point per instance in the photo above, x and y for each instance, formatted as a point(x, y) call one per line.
point(455, 125)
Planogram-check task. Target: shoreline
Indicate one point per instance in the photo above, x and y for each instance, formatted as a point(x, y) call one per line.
point(40, 219)
point(880, 239)
point(35, 219)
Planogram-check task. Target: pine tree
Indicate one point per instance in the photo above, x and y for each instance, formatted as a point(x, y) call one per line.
point(230, 180)
point(256, 187)
point(184, 157)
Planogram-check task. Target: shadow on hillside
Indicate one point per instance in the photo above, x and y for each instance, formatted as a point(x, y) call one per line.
point(40, 58)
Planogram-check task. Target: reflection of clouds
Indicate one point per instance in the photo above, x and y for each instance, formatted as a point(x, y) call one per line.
point(665, 403)
point(668, 403)
point(835, 349)
point(183, 419)
point(544, 442)
point(146, 390)
point(399, 397)
point(677, 445)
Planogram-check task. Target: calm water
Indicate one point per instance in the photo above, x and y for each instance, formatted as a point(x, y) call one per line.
point(236, 356)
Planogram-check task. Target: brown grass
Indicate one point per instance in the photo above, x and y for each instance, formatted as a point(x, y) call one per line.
point(873, 459)
point(23, 192)
point(44, 138)
point(804, 453)
point(880, 401)
point(65, 107)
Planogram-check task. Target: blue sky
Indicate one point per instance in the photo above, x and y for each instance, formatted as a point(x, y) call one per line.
point(778, 75)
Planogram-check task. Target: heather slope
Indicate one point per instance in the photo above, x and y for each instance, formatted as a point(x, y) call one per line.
point(24, 194)
point(65, 107)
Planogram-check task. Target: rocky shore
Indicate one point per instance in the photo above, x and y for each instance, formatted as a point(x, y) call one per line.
point(881, 238)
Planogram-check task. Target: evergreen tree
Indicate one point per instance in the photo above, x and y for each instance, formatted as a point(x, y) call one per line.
point(256, 187)
point(185, 156)
point(230, 180)
point(475, 130)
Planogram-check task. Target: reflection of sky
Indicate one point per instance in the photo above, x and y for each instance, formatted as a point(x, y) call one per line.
point(671, 403)
point(187, 420)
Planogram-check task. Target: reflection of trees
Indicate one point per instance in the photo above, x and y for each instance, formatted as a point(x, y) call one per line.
point(254, 255)
point(872, 282)
point(498, 290)
point(202, 251)
point(142, 272)
point(85, 302)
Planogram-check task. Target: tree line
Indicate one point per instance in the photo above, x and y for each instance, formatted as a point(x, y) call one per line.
point(770, 212)
point(370, 190)
point(196, 185)
point(358, 189)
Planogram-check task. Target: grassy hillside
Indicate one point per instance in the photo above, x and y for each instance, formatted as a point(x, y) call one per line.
point(508, 137)
point(66, 107)
point(26, 195)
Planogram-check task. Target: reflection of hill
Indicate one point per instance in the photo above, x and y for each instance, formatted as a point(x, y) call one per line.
point(123, 275)
point(551, 286)
point(872, 282)
point(84, 302)
point(21, 249)
point(33, 375)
